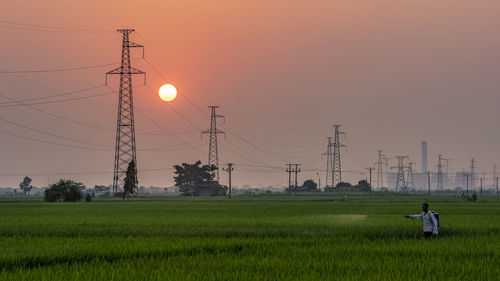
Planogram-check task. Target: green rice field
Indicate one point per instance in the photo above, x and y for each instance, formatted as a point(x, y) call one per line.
point(248, 238)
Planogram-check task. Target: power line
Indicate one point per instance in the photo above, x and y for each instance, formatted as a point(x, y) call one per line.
point(57, 69)
point(51, 142)
point(58, 101)
point(53, 135)
point(54, 28)
point(56, 95)
point(57, 116)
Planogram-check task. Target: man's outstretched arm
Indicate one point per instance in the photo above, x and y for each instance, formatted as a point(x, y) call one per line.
point(415, 217)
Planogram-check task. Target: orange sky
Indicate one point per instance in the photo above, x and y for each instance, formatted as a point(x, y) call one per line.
point(392, 72)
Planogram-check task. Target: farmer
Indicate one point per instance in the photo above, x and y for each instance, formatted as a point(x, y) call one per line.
point(430, 221)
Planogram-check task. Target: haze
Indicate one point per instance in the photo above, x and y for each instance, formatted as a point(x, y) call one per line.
point(393, 73)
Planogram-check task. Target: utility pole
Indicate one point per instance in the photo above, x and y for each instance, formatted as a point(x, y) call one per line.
point(429, 182)
point(496, 184)
point(440, 173)
point(125, 151)
point(337, 168)
point(370, 169)
point(296, 170)
point(319, 181)
point(229, 170)
point(410, 181)
point(481, 186)
point(473, 174)
point(467, 184)
point(380, 172)
point(329, 163)
point(213, 149)
point(494, 175)
point(400, 181)
point(290, 170)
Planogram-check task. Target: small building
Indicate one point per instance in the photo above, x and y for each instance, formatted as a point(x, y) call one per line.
point(207, 188)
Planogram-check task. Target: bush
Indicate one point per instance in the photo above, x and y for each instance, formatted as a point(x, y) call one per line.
point(63, 191)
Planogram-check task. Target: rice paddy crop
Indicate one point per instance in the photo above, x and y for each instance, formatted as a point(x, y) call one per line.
point(248, 238)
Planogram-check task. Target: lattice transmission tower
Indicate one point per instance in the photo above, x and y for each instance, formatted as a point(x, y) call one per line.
point(337, 165)
point(473, 174)
point(329, 163)
point(400, 180)
point(410, 183)
point(213, 149)
point(380, 171)
point(125, 151)
point(440, 173)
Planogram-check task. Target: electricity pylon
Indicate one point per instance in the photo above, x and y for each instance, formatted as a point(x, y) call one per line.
point(329, 163)
point(446, 178)
point(400, 180)
point(380, 172)
point(440, 173)
point(410, 183)
point(337, 168)
point(125, 151)
point(473, 174)
point(213, 149)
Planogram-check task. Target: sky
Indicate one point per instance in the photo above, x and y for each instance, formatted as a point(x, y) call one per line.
point(393, 73)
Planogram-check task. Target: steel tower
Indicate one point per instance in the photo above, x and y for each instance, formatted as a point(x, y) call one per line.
point(410, 179)
point(213, 150)
point(329, 163)
point(125, 151)
point(337, 168)
point(380, 172)
point(400, 181)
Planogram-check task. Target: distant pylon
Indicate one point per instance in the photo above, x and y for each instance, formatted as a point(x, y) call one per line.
point(213, 149)
point(329, 163)
point(446, 177)
point(380, 172)
point(400, 180)
point(337, 165)
point(125, 151)
point(494, 175)
point(410, 182)
point(440, 173)
point(473, 174)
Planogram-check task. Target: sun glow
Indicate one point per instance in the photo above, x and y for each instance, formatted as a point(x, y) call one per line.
point(167, 92)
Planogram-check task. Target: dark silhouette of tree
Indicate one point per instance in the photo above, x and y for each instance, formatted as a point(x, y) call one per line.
point(65, 191)
point(343, 184)
point(187, 175)
point(309, 185)
point(25, 185)
point(130, 179)
point(363, 185)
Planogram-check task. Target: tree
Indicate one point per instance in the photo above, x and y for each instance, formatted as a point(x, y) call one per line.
point(187, 175)
point(363, 185)
point(63, 191)
point(130, 179)
point(343, 184)
point(25, 185)
point(102, 188)
point(309, 185)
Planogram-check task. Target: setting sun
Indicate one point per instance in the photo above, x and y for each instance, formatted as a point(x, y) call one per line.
point(167, 92)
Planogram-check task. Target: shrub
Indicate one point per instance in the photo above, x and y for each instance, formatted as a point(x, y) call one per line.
point(63, 191)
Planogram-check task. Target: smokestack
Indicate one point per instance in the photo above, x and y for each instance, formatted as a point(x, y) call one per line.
point(424, 157)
